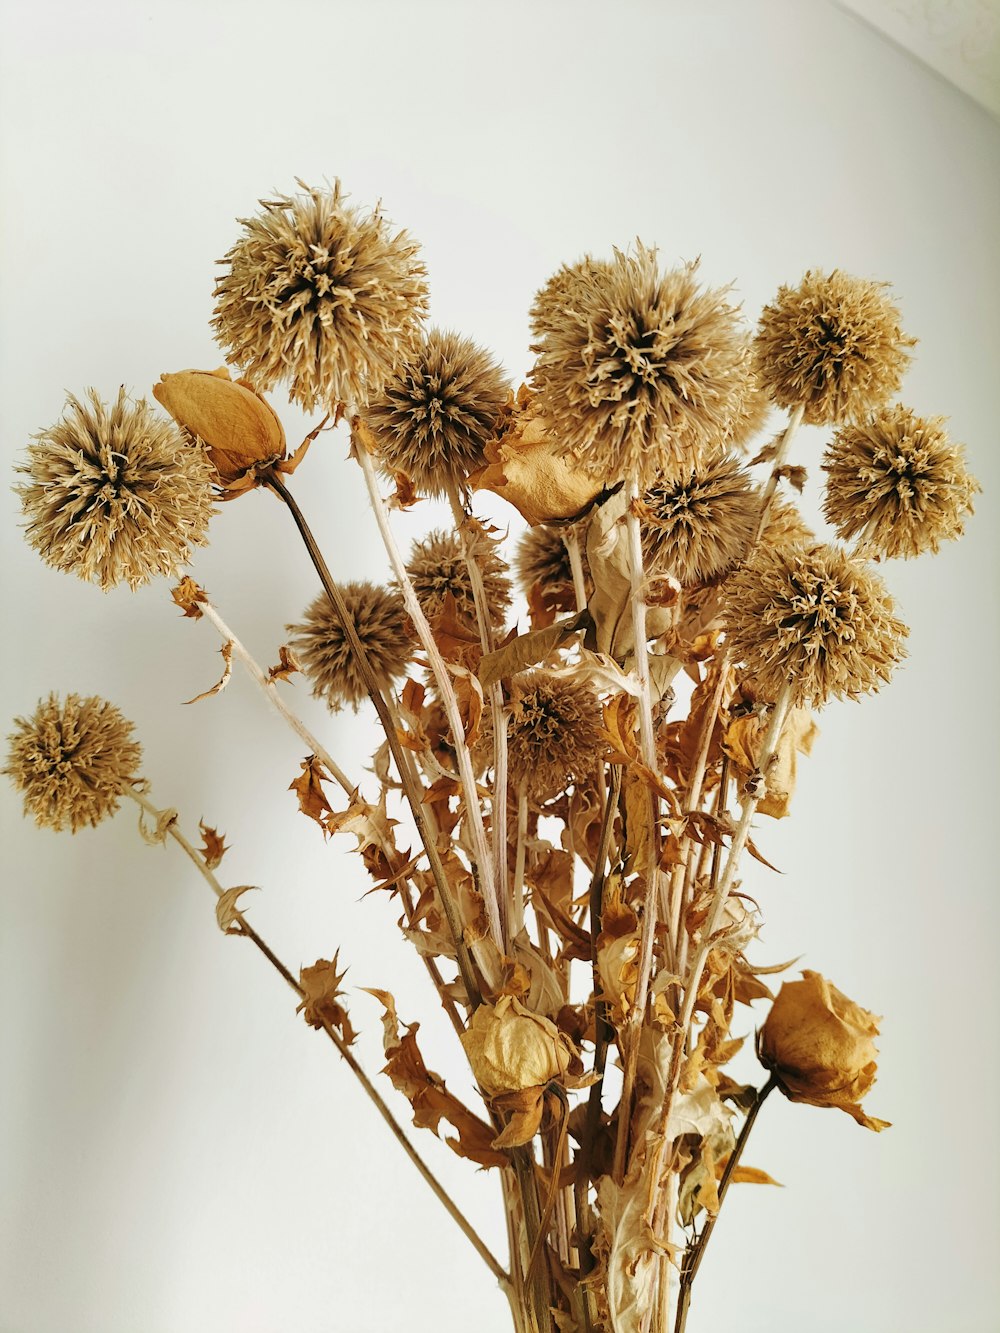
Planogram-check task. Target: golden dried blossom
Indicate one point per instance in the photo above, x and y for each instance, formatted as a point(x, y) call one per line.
point(321, 648)
point(240, 429)
point(321, 295)
point(811, 617)
point(542, 563)
point(510, 1048)
point(72, 761)
point(114, 493)
point(636, 369)
point(833, 344)
point(529, 468)
point(554, 733)
point(437, 411)
point(698, 520)
point(438, 570)
point(819, 1046)
point(898, 480)
point(785, 526)
point(750, 416)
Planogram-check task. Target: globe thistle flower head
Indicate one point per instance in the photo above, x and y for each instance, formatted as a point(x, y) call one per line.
point(544, 571)
point(115, 494)
point(319, 294)
point(636, 369)
point(554, 733)
point(325, 655)
point(813, 618)
point(436, 413)
point(834, 345)
point(72, 761)
point(785, 526)
point(438, 571)
point(698, 521)
point(899, 482)
point(750, 416)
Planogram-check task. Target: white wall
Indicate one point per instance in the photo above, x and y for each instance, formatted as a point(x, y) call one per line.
point(179, 1153)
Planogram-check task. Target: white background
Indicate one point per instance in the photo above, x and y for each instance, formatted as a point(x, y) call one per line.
point(178, 1152)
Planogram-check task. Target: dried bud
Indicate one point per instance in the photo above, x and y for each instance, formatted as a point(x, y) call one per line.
point(818, 1044)
point(240, 428)
point(531, 470)
point(510, 1048)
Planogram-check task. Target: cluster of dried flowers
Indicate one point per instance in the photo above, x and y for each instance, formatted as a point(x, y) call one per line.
point(580, 785)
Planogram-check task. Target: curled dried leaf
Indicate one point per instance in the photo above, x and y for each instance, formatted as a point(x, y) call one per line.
point(227, 656)
point(227, 914)
point(214, 845)
point(188, 597)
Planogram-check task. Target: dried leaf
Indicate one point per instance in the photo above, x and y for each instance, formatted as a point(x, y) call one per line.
point(188, 595)
point(405, 495)
point(227, 656)
point(226, 911)
point(746, 1175)
point(309, 789)
point(287, 664)
point(165, 819)
point(321, 1005)
point(214, 848)
point(529, 649)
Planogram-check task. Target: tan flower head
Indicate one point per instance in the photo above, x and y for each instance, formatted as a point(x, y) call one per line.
point(321, 295)
point(321, 646)
point(785, 526)
point(114, 493)
point(542, 564)
point(554, 733)
point(699, 520)
point(437, 569)
point(812, 617)
point(436, 412)
point(833, 344)
point(72, 761)
point(898, 479)
point(819, 1046)
point(636, 369)
point(750, 416)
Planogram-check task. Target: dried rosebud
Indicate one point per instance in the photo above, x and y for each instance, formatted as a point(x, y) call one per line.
point(818, 1044)
point(240, 428)
point(533, 471)
point(510, 1048)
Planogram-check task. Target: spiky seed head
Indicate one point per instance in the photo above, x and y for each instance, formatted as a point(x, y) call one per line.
point(115, 494)
point(438, 569)
point(699, 521)
point(321, 646)
point(321, 295)
point(834, 345)
point(72, 761)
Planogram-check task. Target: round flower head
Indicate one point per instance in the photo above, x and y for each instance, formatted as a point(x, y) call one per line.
point(785, 526)
point(749, 418)
point(321, 646)
point(554, 733)
point(437, 411)
point(811, 617)
point(898, 479)
point(115, 494)
point(699, 521)
point(834, 345)
point(544, 571)
point(72, 761)
point(321, 295)
point(438, 569)
point(636, 369)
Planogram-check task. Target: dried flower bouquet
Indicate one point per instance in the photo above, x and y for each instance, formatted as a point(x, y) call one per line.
point(579, 735)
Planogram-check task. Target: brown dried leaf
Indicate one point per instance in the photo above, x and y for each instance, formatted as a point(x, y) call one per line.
point(321, 1005)
point(187, 595)
point(226, 911)
point(215, 847)
point(405, 495)
point(227, 656)
point(527, 650)
point(287, 664)
point(309, 789)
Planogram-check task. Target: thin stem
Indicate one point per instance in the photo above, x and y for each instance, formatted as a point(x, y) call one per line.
point(246, 929)
point(517, 918)
point(571, 540)
point(474, 816)
point(794, 421)
point(694, 1256)
point(485, 623)
point(413, 796)
point(650, 908)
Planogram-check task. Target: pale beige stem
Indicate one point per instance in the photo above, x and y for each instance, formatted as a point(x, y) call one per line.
point(170, 828)
point(270, 689)
point(517, 920)
point(650, 907)
point(571, 540)
point(778, 462)
point(486, 638)
point(473, 812)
